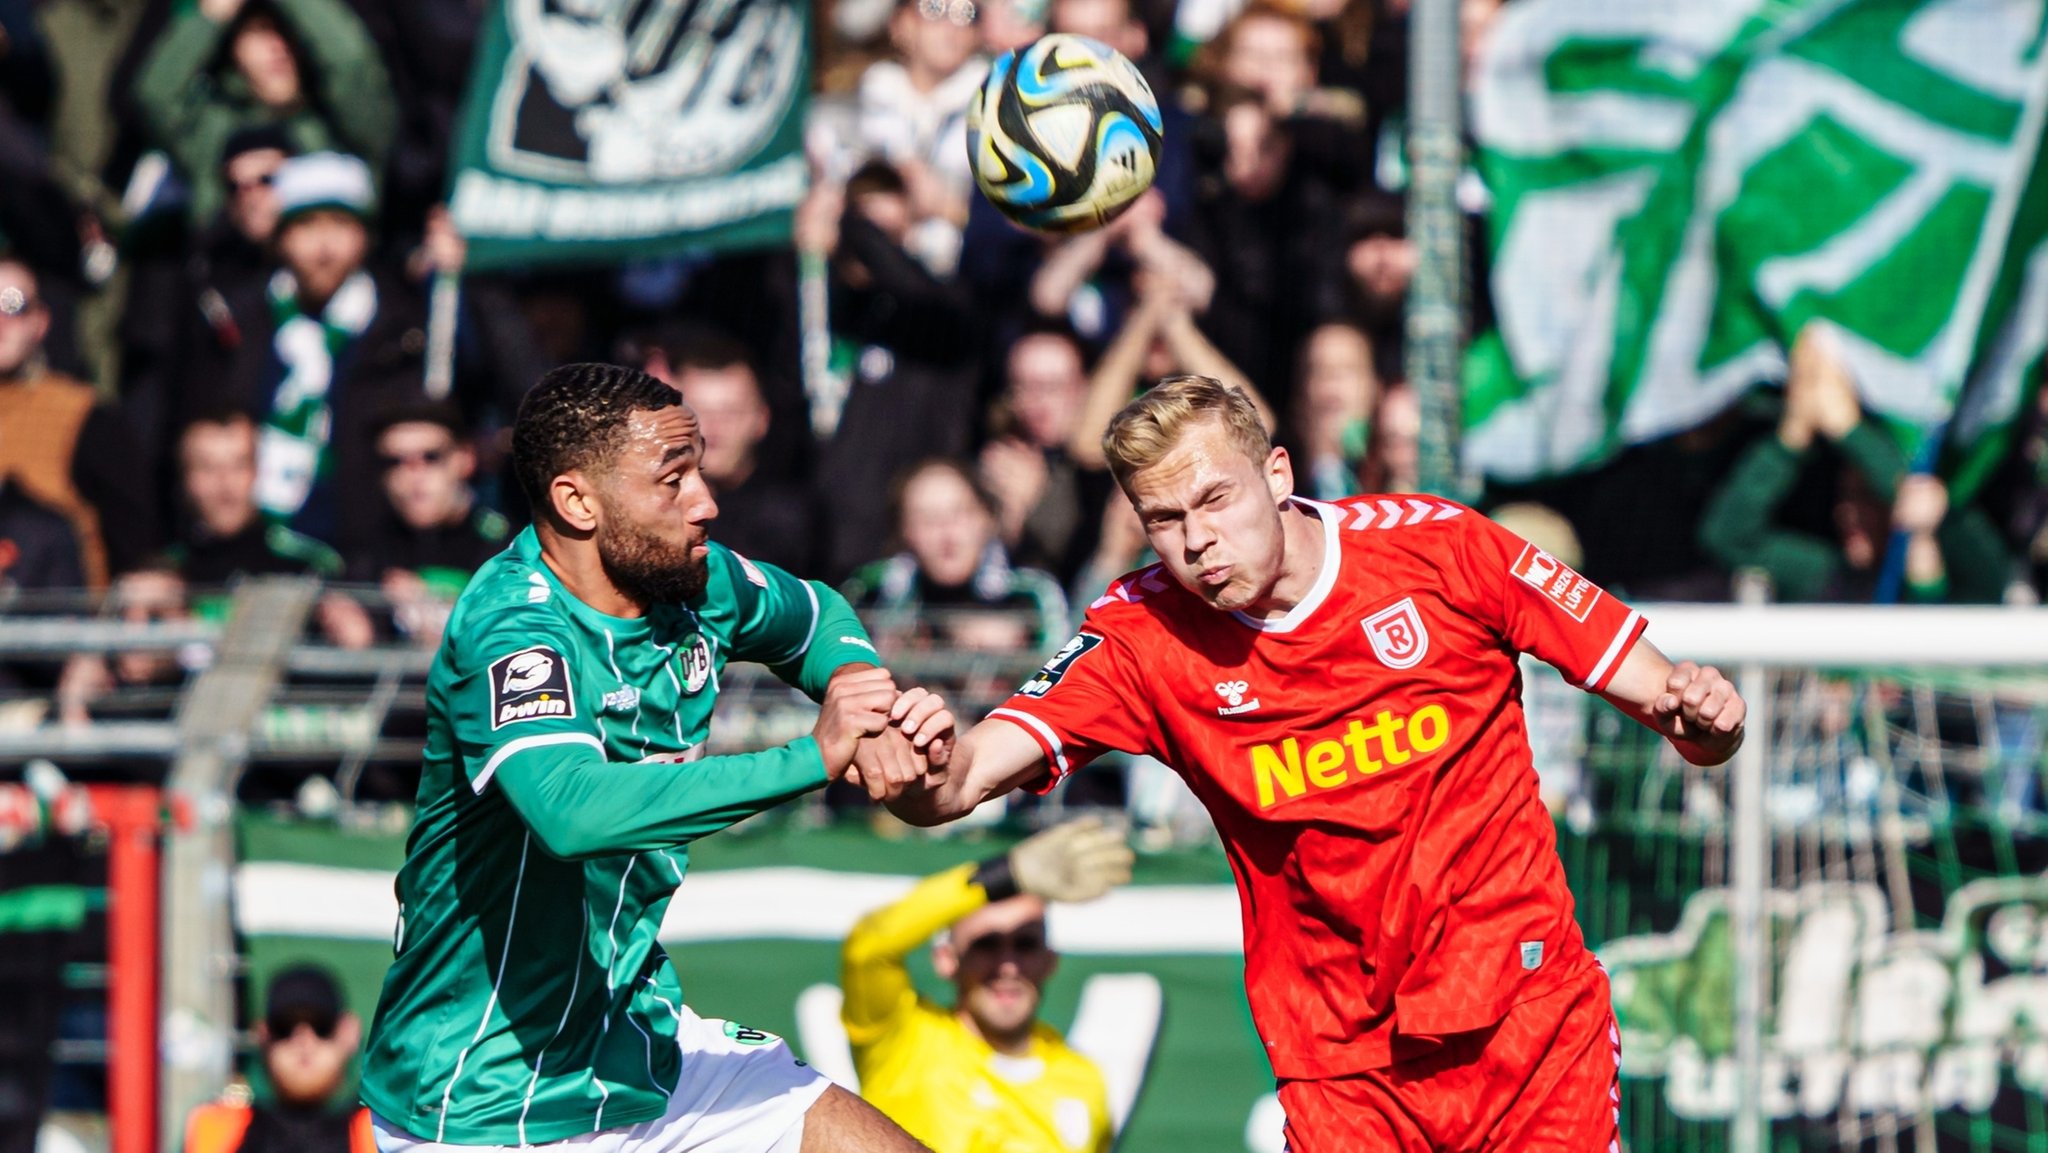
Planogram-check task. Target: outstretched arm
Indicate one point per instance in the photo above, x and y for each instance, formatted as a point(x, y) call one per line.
point(1696, 709)
point(990, 760)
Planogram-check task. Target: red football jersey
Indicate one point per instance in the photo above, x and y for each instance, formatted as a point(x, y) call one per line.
point(1367, 763)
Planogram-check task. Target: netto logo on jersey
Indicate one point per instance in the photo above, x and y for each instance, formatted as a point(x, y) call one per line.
point(530, 685)
point(1288, 771)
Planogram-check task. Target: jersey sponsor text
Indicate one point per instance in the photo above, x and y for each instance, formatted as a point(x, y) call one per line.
point(1288, 771)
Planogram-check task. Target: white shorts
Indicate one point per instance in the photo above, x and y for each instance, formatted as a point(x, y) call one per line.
point(734, 1095)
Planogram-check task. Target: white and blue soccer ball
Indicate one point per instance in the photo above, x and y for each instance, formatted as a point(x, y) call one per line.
point(1064, 135)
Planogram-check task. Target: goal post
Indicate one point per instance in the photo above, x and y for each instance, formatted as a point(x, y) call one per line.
point(1841, 938)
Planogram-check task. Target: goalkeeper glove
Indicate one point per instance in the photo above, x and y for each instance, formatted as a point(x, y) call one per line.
point(1077, 861)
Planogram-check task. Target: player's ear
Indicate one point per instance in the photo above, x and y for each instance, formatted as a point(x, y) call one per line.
point(1279, 475)
point(574, 499)
point(945, 960)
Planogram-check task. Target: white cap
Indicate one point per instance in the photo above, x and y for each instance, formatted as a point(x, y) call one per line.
point(324, 180)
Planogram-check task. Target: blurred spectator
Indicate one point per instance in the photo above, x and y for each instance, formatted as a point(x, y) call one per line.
point(38, 549)
point(903, 349)
point(325, 344)
point(308, 1040)
point(1087, 279)
point(1333, 412)
point(1159, 339)
point(759, 516)
point(920, 1062)
point(1120, 547)
point(60, 447)
point(1393, 460)
point(230, 257)
point(151, 594)
point(238, 244)
point(434, 534)
point(1048, 504)
point(913, 114)
point(308, 66)
point(1952, 554)
point(1007, 25)
point(228, 537)
point(1379, 263)
point(953, 585)
point(1268, 212)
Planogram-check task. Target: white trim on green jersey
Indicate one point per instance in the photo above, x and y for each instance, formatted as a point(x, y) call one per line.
point(510, 748)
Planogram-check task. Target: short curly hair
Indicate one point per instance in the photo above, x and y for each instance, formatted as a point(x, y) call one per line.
point(575, 417)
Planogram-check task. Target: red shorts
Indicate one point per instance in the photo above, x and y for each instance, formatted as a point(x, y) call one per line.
point(1544, 1079)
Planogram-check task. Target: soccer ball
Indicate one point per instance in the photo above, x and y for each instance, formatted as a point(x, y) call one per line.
point(1064, 135)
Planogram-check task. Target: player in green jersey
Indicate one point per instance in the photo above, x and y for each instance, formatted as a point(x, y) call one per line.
point(562, 782)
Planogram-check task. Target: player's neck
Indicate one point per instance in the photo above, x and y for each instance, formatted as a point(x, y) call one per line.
point(576, 564)
point(1301, 562)
point(1016, 1044)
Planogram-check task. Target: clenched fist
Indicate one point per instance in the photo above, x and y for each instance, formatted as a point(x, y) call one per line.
point(1701, 709)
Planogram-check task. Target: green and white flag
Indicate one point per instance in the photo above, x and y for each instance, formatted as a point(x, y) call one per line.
point(1682, 185)
point(599, 130)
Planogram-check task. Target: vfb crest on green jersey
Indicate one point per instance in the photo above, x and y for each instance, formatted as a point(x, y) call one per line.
point(530, 685)
point(696, 654)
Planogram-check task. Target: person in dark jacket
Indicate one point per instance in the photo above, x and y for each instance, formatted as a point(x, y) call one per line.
point(308, 66)
point(317, 350)
point(435, 533)
point(308, 1038)
point(1954, 553)
point(760, 516)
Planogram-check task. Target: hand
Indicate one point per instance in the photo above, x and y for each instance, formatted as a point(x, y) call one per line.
point(1700, 708)
point(1819, 383)
point(856, 705)
point(1922, 503)
point(815, 228)
point(885, 765)
point(220, 11)
point(1078, 861)
point(1015, 474)
point(442, 248)
point(927, 723)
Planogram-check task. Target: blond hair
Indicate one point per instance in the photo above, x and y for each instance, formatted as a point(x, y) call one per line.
point(1154, 424)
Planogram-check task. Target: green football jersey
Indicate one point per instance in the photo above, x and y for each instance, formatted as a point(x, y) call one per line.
point(561, 783)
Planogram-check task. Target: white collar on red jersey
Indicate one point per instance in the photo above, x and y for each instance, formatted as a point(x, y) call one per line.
point(1333, 520)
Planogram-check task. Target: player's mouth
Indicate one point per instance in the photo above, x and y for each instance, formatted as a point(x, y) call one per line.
point(1217, 576)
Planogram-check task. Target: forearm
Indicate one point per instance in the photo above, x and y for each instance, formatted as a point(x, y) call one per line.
point(1063, 272)
point(1110, 388)
point(989, 760)
point(872, 973)
point(1195, 354)
point(351, 73)
point(161, 84)
point(1736, 528)
point(578, 804)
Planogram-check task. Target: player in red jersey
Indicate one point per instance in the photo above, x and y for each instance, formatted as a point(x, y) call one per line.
point(1338, 684)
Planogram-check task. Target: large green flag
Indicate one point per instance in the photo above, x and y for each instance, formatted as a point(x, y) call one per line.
point(1681, 186)
point(605, 129)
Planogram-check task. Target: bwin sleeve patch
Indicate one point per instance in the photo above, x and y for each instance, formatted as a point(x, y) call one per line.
point(530, 685)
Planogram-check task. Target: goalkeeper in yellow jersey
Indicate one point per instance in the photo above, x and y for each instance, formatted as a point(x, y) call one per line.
point(984, 1076)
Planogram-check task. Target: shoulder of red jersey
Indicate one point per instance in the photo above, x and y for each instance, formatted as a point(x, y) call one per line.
point(1127, 595)
point(1401, 513)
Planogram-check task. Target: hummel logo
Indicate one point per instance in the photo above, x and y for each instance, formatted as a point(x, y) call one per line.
point(1233, 693)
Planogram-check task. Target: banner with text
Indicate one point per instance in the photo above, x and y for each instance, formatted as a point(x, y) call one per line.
point(602, 130)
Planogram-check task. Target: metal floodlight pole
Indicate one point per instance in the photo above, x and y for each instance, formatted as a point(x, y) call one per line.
point(1436, 298)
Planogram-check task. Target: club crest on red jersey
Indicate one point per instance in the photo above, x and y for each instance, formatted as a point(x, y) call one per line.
point(1398, 638)
point(1556, 580)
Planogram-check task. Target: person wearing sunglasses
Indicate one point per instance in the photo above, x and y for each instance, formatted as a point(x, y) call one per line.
point(984, 1075)
point(307, 1037)
point(435, 533)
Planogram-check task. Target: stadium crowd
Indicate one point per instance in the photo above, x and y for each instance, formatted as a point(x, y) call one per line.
point(220, 220)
